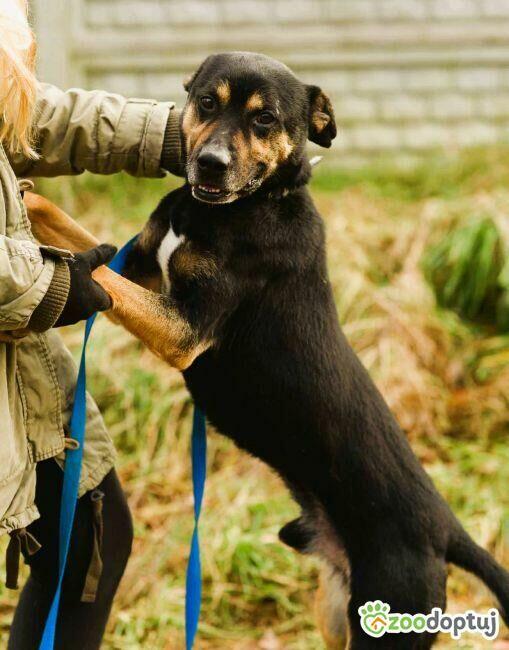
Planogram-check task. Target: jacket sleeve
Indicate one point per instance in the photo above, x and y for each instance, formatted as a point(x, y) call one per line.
point(96, 131)
point(33, 287)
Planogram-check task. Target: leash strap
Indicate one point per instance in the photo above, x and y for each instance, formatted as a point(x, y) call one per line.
point(72, 467)
point(193, 578)
point(70, 488)
point(72, 471)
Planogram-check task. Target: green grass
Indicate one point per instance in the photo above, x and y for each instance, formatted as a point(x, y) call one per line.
point(446, 379)
point(465, 268)
point(437, 175)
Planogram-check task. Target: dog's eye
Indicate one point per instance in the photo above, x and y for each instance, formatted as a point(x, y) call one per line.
point(265, 118)
point(207, 102)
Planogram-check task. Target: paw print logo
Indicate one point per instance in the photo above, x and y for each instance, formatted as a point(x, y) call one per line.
point(374, 617)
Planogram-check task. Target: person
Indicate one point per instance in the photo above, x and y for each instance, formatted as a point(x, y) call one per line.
point(47, 132)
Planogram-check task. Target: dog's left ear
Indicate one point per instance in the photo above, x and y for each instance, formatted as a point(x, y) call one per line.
point(322, 125)
point(188, 81)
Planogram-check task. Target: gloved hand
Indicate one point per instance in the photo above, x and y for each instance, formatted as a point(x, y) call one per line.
point(86, 296)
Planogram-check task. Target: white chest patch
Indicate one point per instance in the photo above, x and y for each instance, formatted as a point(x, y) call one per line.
point(168, 245)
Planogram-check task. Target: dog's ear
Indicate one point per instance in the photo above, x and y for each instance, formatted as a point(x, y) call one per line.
point(188, 81)
point(322, 125)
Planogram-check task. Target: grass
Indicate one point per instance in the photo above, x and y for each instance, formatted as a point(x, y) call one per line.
point(446, 379)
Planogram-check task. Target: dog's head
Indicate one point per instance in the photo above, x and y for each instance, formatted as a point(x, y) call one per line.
point(247, 116)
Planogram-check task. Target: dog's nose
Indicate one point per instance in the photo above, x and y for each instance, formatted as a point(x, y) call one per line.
point(216, 160)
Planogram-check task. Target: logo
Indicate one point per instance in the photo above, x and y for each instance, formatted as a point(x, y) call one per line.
point(374, 617)
point(376, 620)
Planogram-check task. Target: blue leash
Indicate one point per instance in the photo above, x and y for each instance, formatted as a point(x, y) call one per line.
point(193, 578)
point(69, 498)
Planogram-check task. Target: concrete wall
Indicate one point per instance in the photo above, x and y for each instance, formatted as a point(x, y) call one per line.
point(404, 75)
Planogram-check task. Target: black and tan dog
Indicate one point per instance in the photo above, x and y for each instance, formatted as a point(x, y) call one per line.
point(246, 310)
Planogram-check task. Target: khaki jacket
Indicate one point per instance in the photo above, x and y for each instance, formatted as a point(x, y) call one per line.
point(76, 131)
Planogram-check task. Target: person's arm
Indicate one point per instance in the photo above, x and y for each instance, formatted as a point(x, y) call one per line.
point(33, 286)
point(102, 133)
point(44, 287)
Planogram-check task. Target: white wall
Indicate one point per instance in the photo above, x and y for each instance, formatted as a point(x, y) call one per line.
point(403, 74)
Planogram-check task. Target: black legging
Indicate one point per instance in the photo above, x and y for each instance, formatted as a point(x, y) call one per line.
point(80, 625)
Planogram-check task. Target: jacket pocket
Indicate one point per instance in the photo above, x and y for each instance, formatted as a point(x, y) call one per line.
point(38, 382)
point(13, 443)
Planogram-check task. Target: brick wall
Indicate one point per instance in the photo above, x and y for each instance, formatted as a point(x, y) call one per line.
point(404, 75)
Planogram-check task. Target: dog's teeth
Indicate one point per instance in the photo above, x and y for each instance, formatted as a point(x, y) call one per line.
point(211, 190)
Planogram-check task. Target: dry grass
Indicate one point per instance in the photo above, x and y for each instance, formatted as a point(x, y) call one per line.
point(447, 382)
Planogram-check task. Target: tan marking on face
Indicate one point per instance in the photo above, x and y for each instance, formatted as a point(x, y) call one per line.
point(262, 151)
point(189, 123)
point(271, 151)
point(194, 131)
point(241, 147)
point(284, 146)
point(223, 92)
point(255, 102)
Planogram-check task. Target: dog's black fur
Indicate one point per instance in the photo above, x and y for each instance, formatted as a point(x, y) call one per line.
point(279, 377)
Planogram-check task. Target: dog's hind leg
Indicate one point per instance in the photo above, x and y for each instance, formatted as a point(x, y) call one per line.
point(311, 533)
point(397, 581)
point(331, 607)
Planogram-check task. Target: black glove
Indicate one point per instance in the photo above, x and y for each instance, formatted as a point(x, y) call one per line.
point(86, 296)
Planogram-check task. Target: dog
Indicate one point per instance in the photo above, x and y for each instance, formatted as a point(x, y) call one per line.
point(234, 291)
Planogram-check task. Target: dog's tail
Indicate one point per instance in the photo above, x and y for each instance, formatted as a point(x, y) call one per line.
point(465, 553)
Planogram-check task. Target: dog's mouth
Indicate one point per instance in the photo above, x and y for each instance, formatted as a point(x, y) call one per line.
point(209, 193)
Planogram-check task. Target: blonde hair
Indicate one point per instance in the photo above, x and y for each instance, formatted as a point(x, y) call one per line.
point(17, 78)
